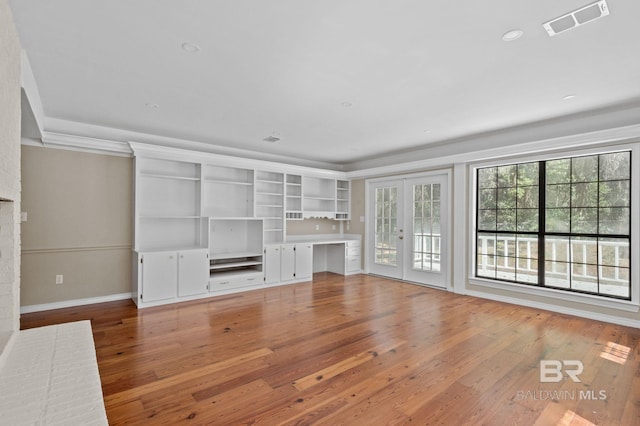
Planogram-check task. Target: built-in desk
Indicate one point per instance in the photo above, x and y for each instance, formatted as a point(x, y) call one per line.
point(337, 253)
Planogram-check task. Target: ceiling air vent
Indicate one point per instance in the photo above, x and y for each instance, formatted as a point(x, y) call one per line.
point(271, 139)
point(577, 17)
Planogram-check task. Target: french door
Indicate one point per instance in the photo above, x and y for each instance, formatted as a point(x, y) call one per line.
point(408, 233)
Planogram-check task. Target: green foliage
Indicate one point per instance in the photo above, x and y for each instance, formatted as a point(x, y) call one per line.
point(507, 196)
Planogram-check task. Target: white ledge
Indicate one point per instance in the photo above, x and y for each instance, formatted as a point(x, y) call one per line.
point(50, 376)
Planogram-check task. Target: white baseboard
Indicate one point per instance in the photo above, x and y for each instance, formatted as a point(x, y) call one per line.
point(76, 302)
point(559, 309)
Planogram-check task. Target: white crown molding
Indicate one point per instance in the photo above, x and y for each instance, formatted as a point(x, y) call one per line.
point(433, 160)
point(580, 130)
point(74, 129)
point(163, 152)
point(84, 144)
point(127, 149)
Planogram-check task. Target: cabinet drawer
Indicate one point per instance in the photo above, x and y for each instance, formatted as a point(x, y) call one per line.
point(239, 281)
point(353, 251)
point(353, 243)
point(353, 263)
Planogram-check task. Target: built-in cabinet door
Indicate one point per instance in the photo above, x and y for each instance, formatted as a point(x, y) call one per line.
point(193, 272)
point(304, 261)
point(159, 276)
point(287, 262)
point(272, 264)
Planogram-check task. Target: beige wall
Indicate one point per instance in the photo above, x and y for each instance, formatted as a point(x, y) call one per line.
point(10, 58)
point(79, 225)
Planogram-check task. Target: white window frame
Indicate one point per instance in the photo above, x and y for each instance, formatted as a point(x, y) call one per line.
point(632, 305)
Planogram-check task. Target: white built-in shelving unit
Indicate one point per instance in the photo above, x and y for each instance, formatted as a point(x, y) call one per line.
point(270, 204)
point(167, 204)
point(318, 197)
point(235, 253)
point(343, 199)
point(228, 191)
point(293, 189)
point(202, 221)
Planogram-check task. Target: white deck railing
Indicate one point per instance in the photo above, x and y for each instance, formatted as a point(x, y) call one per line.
point(562, 261)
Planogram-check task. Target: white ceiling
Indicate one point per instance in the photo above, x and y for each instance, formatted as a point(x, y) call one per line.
point(338, 81)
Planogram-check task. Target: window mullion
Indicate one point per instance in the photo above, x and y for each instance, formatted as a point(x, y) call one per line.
point(542, 195)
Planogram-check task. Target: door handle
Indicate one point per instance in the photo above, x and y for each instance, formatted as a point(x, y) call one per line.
point(401, 237)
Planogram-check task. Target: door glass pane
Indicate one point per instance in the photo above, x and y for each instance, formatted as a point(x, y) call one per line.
point(386, 228)
point(426, 230)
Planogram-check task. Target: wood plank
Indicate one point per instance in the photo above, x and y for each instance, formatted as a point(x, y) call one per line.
point(441, 358)
point(170, 382)
point(344, 365)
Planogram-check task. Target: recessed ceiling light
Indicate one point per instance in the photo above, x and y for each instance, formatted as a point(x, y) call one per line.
point(427, 131)
point(346, 104)
point(152, 105)
point(512, 35)
point(190, 47)
point(566, 98)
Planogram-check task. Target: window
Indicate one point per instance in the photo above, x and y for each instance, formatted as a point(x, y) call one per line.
point(562, 224)
point(426, 227)
point(386, 226)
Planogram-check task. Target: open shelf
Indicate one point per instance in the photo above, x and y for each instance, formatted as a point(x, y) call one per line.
point(235, 255)
point(236, 246)
point(234, 264)
point(228, 182)
point(343, 197)
point(163, 176)
point(236, 273)
point(167, 169)
point(270, 200)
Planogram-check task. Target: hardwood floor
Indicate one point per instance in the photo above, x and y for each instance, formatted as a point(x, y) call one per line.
point(356, 350)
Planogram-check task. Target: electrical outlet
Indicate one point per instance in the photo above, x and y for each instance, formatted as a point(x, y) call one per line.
point(59, 279)
point(333, 227)
point(23, 216)
point(317, 227)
